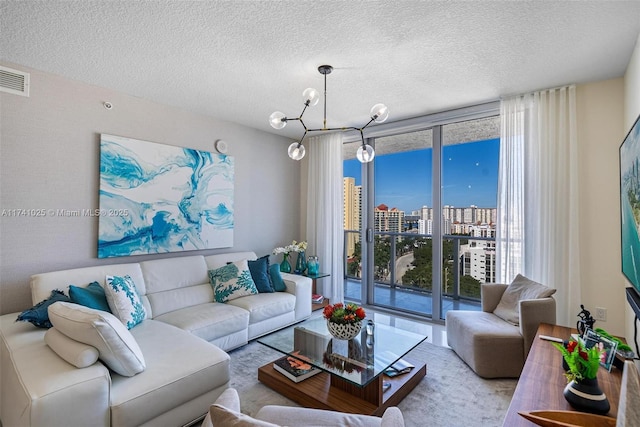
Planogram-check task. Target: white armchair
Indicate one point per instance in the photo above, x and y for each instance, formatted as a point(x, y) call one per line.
point(227, 409)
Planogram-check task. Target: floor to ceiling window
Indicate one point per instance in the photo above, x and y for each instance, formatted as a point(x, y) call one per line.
point(410, 261)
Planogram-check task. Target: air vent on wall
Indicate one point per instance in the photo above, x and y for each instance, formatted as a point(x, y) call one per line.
point(14, 81)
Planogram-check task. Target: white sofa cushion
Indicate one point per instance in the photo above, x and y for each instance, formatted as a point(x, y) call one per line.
point(173, 273)
point(117, 347)
point(180, 369)
point(124, 300)
point(179, 299)
point(266, 306)
point(78, 354)
point(208, 321)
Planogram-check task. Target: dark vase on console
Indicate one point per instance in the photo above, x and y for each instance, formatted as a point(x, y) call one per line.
point(586, 396)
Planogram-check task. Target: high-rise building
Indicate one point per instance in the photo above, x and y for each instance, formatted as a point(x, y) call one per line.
point(352, 196)
point(389, 220)
point(479, 260)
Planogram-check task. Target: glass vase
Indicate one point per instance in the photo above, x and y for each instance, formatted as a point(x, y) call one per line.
point(285, 267)
point(313, 265)
point(301, 263)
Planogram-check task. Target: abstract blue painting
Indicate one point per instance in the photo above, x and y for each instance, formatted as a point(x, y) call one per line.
point(157, 198)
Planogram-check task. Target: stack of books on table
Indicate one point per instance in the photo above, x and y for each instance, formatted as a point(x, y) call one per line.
point(399, 367)
point(317, 299)
point(295, 369)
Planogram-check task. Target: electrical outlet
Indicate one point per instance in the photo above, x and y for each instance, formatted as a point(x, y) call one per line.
point(601, 314)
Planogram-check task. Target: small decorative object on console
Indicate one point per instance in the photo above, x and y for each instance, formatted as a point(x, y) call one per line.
point(586, 321)
point(344, 321)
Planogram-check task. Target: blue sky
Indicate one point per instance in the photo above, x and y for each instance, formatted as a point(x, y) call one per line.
point(403, 180)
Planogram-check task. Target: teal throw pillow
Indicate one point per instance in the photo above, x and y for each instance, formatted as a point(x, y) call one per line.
point(124, 300)
point(92, 296)
point(276, 278)
point(232, 281)
point(260, 274)
point(38, 315)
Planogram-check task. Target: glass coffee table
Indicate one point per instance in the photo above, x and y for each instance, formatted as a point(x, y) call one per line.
point(353, 378)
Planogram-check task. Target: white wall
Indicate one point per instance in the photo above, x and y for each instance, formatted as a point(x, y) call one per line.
point(600, 108)
point(631, 112)
point(49, 159)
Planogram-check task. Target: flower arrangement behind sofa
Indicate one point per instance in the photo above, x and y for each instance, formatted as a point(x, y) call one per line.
point(293, 247)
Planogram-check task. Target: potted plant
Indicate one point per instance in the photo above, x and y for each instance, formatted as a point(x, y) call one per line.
point(582, 390)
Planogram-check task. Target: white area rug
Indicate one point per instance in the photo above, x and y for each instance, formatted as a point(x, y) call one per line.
point(450, 395)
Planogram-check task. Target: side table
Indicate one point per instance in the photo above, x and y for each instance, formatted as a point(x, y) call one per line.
point(314, 278)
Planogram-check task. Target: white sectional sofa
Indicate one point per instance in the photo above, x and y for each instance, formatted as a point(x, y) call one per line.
point(183, 339)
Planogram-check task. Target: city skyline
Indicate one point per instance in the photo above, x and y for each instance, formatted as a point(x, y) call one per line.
point(397, 176)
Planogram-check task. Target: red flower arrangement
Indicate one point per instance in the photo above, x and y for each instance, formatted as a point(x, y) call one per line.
point(344, 314)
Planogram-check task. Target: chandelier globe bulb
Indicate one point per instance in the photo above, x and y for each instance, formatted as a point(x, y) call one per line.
point(296, 151)
point(379, 113)
point(365, 153)
point(277, 120)
point(310, 96)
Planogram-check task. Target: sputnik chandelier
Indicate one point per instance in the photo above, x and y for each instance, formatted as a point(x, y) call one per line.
point(278, 120)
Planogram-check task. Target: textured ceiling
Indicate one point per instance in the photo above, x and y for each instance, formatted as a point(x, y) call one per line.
point(241, 60)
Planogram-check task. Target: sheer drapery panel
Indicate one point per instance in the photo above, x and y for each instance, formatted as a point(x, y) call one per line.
point(324, 210)
point(538, 223)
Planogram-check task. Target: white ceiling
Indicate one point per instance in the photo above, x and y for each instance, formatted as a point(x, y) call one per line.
point(242, 60)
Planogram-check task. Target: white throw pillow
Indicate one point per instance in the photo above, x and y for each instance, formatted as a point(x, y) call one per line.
point(115, 344)
point(78, 354)
point(124, 300)
point(521, 288)
point(232, 281)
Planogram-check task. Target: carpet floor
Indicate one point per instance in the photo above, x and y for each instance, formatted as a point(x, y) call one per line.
point(450, 395)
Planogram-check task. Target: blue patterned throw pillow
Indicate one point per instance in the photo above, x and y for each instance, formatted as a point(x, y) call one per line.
point(124, 300)
point(39, 314)
point(232, 281)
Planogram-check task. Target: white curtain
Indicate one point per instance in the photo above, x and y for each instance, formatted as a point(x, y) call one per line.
point(324, 211)
point(538, 217)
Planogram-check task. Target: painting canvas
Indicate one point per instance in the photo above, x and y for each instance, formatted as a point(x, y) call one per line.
point(157, 198)
point(630, 204)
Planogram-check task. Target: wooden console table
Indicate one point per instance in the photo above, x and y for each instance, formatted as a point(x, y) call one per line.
point(542, 381)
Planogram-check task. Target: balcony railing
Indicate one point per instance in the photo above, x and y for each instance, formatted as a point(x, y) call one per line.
point(403, 263)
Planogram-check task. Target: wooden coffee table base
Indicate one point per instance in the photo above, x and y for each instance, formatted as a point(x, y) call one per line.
point(324, 391)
